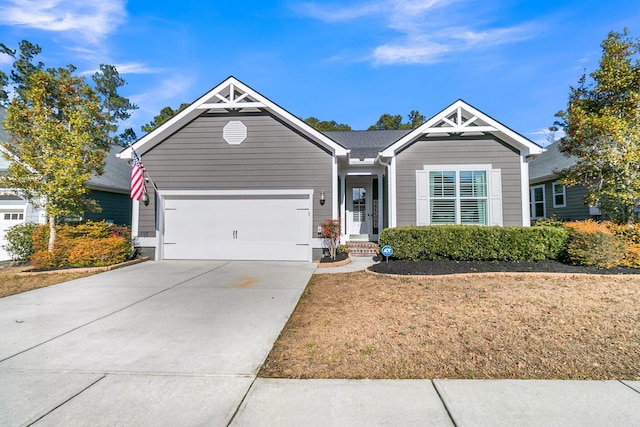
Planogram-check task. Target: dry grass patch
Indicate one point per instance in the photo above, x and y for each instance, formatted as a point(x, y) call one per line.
point(358, 325)
point(11, 283)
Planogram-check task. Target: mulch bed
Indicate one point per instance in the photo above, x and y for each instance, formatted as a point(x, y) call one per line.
point(446, 266)
point(339, 257)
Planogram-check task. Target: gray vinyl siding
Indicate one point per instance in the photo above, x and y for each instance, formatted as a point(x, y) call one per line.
point(458, 152)
point(273, 157)
point(575, 208)
point(116, 207)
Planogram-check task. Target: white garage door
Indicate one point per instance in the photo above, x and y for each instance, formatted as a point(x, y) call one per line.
point(238, 228)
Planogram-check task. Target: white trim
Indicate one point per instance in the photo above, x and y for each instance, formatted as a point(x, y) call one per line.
point(343, 207)
point(162, 195)
point(170, 193)
point(524, 145)
point(532, 202)
point(524, 188)
point(391, 188)
point(493, 201)
point(135, 217)
point(334, 189)
point(554, 194)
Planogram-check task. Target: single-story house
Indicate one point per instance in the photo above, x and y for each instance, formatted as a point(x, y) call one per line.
point(110, 190)
point(236, 176)
point(549, 197)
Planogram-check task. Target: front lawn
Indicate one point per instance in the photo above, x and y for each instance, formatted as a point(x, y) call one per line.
point(11, 283)
point(360, 325)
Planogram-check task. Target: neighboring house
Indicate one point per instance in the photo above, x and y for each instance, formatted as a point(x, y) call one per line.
point(235, 176)
point(111, 190)
point(549, 197)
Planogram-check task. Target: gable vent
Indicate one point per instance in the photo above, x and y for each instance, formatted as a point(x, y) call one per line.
point(234, 132)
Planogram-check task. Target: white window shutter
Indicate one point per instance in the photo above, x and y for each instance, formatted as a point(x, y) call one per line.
point(495, 197)
point(422, 198)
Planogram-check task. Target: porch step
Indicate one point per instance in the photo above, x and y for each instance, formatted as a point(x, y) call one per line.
point(368, 249)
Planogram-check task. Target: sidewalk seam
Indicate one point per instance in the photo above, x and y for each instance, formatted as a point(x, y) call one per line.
point(30, 423)
point(446, 408)
point(628, 386)
point(233, 416)
point(112, 313)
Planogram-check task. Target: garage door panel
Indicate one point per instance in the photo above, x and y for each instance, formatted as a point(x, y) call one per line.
point(234, 228)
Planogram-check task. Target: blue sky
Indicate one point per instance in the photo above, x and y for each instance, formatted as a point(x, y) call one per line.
point(348, 61)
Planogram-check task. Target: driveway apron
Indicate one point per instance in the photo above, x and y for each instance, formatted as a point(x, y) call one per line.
point(158, 343)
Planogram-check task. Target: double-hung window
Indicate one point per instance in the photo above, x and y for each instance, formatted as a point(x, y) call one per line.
point(536, 202)
point(457, 195)
point(559, 195)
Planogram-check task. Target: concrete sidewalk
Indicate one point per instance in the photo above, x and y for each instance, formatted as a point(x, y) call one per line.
point(180, 343)
point(275, 402)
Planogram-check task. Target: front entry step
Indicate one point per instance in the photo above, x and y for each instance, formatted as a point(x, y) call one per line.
point(368, 249)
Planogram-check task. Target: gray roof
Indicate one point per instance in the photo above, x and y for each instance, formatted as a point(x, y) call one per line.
point(366, 144)
point(116, 176)
point(545, 165)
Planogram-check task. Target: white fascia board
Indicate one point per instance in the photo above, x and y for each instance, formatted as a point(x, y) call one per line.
point(526, 146)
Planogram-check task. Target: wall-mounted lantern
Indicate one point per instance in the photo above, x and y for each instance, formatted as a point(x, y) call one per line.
point(322, 199)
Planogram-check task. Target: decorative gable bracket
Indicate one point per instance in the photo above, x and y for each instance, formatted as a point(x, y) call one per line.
point(458, 121)
point(230, 97)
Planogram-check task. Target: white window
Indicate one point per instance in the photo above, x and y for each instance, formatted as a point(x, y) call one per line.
point(536, 202)
point(13, 216)
point(459, 195)
point(559, 195)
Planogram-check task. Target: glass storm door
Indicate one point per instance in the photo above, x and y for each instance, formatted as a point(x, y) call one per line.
point(359, 208)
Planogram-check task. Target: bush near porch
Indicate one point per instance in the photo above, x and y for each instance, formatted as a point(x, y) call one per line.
point(475, 243)
point(589, 243)
point(86, 244)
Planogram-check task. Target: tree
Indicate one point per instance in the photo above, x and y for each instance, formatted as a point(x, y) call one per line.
point(325, 126)
point(602, 125)
point(60, 131)
point(389, 122)
point(165, 114)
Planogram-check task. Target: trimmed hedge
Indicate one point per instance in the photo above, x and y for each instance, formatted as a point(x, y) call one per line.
point(475, 243)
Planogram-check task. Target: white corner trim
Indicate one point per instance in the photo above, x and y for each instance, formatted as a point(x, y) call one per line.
point(525, 192)
point(334, 189)
point(392, 193)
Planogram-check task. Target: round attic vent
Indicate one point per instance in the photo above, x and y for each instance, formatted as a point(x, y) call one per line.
point(234, 132)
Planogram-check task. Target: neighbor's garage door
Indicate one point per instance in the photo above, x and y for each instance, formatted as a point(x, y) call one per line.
point(238, 228)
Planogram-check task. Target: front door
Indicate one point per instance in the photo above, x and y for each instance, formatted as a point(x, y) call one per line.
point(359, 203)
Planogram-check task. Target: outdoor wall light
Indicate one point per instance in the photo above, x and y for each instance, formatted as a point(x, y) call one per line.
point(322, 199)
point(145, 199)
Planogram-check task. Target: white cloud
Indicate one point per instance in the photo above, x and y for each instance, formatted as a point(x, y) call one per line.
point(545, 137)
point(5, 59)
point(93, 19)
point(338, 14)
point(128, 68)
point(427, 28)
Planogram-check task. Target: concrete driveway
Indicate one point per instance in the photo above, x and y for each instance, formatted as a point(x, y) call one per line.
point(158, 343)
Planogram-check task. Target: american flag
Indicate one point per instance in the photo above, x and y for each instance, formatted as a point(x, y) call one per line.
point(138, 187)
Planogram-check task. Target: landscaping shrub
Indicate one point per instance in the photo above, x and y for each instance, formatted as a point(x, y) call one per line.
point(595, 248)
point(81, 244)
point(462, 242)
point(19, 240)
point(99, 252)
point(603, 244)
point(40, 238)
